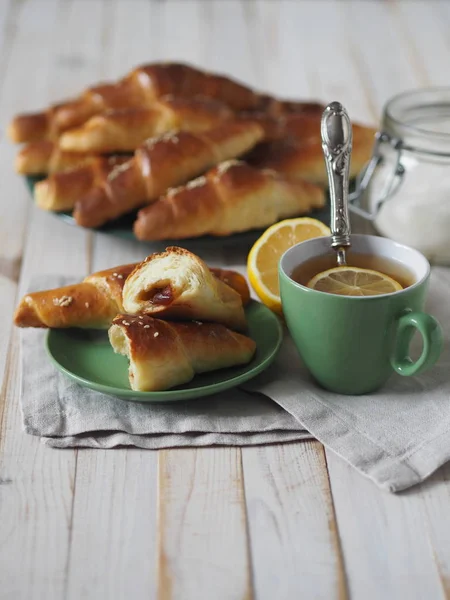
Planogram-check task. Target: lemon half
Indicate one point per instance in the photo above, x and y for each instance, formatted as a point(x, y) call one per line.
point(263, 259)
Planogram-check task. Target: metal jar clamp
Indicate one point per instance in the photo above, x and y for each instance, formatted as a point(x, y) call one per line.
point(364, 179)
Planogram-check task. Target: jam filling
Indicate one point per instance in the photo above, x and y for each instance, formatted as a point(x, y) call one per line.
point(162, 295)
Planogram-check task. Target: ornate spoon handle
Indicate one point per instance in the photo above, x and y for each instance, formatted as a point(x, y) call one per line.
point(336, 131)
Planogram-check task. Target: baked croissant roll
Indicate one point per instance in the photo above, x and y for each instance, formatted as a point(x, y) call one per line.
point(270, 106)
point(92, 303)
point(177, 284)
point(95, 301)
point(303, 126)
point(123, 130)
point(165, 354)
point(232, 197)
point(141, 88)
point(60, 191)
point(37, 158)
point(161, 163)
point(234, 280)
point(300, 155)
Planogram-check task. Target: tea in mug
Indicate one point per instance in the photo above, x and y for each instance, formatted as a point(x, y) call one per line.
point(392, 268)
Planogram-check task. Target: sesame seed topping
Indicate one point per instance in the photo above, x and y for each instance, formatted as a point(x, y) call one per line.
point(172, 191)
point(146, 326)
point(170, 137)
point(86, 304)
point(117, 170)
point(196, 183)
point(156, 334)
point(224, 166)
point(119, 276)
point(125, 323)
point(140, 317)
point(63, 301)
point(150, 144)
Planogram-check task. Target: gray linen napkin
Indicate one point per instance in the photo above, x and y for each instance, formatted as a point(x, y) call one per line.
point(67, 415)
point(397, 436)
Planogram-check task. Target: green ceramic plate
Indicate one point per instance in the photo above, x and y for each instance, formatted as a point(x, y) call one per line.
point(87, 357)
point(123, 228)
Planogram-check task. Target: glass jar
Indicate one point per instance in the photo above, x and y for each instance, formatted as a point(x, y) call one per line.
point(405, 188)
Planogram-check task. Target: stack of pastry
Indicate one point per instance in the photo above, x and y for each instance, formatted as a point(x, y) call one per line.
point(161, 140)
point(171, 315)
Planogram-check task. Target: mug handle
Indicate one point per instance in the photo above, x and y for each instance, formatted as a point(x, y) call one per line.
point(431, 333)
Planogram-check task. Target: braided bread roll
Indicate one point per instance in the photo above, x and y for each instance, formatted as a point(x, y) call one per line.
point(161, 163)
point(301, 158)
point(177, 284)
point(139, 89)
point(92, 303)
point(123, 130)
point(37, 158)
point(163, 355)
point(61, 191)
point(231, 198)
point(96, 300)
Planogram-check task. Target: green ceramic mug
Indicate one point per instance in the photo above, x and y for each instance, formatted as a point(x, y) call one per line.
point(351, 345)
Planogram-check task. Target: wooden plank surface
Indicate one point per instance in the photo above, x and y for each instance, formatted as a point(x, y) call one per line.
point(285, 521)
point(385, 538)
point(113, 526)
point(203, 546)
point(294, 539)
point(37, 499)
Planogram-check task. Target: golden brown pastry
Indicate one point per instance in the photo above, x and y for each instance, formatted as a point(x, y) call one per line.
point(268, 105)
point(37, 158)
point(177, 284)
point(124, 129)
point(61, 191)
point(139, 89)
point(232, 197)
point(95, 301)
point(301, 125)
point(235, 280)
point(161, 163)
point(300, 155)
point(165, 354)
point(92, 303)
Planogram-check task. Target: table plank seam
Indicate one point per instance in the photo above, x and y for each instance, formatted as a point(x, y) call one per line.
point(343, 587)
point(250, 593)
point(70, 528)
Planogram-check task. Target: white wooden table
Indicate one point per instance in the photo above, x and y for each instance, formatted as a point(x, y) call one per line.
point(272, 523)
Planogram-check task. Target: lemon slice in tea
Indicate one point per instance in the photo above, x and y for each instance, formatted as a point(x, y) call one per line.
point(353, 281)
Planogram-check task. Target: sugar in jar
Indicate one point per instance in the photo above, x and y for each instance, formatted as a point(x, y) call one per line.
point(405, 188)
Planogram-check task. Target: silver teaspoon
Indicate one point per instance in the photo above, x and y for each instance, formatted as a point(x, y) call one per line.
point(336, 132)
